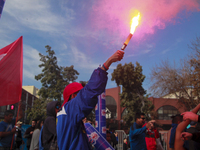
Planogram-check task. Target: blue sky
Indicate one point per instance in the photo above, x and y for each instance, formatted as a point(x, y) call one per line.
point(86, 33)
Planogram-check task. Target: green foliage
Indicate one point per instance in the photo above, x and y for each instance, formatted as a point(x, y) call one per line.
point(133, 97)
point(83, 83)
point(53, 77)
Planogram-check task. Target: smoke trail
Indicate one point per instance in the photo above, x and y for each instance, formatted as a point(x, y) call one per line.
point(114, 16)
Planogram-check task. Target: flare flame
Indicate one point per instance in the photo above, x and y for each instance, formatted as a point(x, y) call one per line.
point(134, 23)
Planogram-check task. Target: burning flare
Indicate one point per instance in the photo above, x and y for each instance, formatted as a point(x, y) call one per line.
point(134, 23)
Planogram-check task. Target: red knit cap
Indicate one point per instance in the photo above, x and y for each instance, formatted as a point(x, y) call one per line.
point(70, 89)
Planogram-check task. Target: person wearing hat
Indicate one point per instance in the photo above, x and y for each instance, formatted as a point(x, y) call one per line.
point(19, 123)
point(78, 103)
point(18, 139)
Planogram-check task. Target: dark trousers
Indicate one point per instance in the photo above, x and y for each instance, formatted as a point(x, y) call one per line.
point(4, 148)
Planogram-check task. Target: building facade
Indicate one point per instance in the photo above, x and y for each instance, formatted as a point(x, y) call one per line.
point(165, 107)
point(27, 100)
point(32, 90)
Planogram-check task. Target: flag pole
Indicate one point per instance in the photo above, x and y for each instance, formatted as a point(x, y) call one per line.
point(19, 105)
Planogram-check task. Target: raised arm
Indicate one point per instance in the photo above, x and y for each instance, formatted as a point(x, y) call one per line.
point(87, 97)
point(136, 132)
point(117, 56)
point(181, 127)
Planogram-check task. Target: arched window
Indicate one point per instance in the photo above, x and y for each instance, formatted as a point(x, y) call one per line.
point(111, 106)
point(165, 112)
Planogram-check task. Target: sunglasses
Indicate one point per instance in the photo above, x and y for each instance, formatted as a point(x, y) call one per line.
point(142, 118)
point(57, 107)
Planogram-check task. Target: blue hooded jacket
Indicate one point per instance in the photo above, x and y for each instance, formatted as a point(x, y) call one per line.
point(172, 136)
point(70, 129)
point(137, 137)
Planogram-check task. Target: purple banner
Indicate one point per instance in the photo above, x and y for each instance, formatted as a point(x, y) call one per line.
point(96, 138)
point(100, 112)
point(1, 6)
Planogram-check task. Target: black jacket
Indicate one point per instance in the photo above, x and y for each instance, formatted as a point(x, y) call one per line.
point(49, 127)
point(28, 135)
point(114, 141)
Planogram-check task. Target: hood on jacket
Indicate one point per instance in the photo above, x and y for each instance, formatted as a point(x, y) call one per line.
point(70, 89)
point(51, 108)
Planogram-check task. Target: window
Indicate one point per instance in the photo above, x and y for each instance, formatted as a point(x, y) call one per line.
point(165, 112)
point(111, 106)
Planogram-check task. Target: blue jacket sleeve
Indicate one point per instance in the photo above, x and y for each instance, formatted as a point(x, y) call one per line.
point(136, 132)
point(87, 98)
point(172, 138)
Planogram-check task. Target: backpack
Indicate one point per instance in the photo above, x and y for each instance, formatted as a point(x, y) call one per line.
point(40, 140)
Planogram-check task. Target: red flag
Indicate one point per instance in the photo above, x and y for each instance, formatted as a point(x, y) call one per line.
point(11, 65)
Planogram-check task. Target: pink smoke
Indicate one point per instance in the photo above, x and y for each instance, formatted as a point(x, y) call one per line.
point(114, 15)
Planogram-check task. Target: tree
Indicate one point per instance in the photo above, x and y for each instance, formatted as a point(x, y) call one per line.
point(195, 64)
point(69, 74)
point(182, 81)
point(53, 77)
point(172, 81)
point(38, 110)
point(133, 95)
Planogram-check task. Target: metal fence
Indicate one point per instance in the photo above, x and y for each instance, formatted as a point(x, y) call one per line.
point(163, 138)
point(121, 136)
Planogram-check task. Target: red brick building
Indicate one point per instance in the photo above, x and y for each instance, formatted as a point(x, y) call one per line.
point(165, 107)
point(27, 100)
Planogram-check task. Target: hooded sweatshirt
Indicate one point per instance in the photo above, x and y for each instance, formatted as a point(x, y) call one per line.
point(70, 128)
point(49, 127)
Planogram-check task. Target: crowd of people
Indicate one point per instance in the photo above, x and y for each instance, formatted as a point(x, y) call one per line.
point(183, 135)
point(64, 128)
